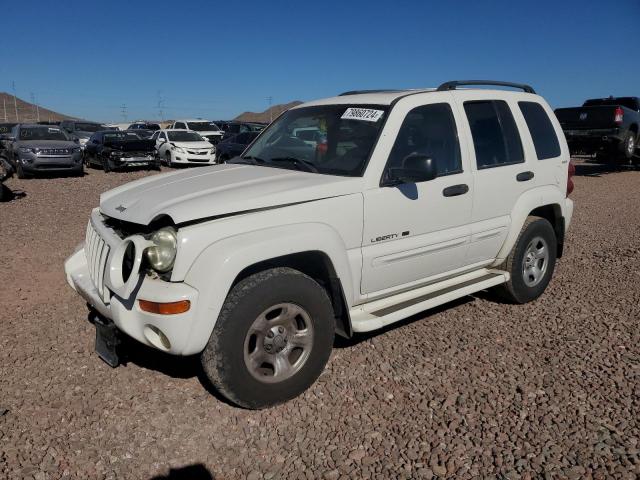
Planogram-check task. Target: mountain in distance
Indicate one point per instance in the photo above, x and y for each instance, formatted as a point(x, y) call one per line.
point(268, 114)
point(27, 112)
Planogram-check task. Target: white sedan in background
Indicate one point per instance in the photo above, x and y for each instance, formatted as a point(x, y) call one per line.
point(183, 147)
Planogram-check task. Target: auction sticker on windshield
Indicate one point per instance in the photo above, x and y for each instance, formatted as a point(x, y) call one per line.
point(366, 114)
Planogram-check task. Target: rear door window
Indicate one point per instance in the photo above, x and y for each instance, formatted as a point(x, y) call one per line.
point(495, 135)
point(543, 134)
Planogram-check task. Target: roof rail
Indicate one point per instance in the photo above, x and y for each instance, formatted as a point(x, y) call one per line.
point(358, 92)
point(459, 83)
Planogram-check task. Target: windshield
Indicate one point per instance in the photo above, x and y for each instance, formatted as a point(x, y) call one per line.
point(89, 127)
point(328, 139)
point(42, 133)
point(120, 136)
point(185, 137)
point(202, 126)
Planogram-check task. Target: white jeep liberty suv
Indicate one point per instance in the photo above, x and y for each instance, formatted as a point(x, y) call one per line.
point(388, 203)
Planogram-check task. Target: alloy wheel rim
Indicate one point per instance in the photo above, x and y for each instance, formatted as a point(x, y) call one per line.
point(535, 262)
point(278, 343)
point(631, 145)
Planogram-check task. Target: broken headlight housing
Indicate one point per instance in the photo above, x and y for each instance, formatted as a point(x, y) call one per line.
point(162, 254)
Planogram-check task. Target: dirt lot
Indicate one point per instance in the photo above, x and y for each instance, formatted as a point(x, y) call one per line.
point(474, 389)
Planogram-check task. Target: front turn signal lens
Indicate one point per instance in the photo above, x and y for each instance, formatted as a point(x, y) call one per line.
point(171, 308)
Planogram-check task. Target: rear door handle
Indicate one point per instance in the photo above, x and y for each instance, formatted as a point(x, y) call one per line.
point(455, 190)
point(524, 176)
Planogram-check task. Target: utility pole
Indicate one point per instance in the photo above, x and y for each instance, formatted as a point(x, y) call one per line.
point(270, 99)
point(123, 109)
point(35, 105)
point(15, 103)
point(160, 105)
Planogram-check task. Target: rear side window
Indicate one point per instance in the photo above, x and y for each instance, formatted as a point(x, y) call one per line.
point(495, 135)
point(429, 130)
point(544, 136)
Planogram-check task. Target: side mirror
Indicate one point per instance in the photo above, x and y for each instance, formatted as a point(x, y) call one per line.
point(415, 168)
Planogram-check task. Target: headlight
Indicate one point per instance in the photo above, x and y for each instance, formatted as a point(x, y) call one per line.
point(177, 149)
point(28, 150)
point(212, 151)
point(162, 254)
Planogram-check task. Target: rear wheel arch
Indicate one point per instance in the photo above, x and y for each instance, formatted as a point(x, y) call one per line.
point(317, 265)
point(553, 214)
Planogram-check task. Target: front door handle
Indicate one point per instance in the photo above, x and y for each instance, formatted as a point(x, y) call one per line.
point(455, 190)
point(524, 176)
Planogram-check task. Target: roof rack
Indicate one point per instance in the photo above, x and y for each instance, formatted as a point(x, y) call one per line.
point(359, 92)
point(459, 83)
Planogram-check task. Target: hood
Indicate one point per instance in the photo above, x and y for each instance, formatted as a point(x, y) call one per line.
point(47, 143)
point(82, 134)
point(146, 145)
point(192, 144)
point(219, 190)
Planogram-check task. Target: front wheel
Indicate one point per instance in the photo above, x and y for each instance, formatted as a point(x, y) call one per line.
point(106, 165)
point(272, 339)
point(20, 171)
point(530, 263)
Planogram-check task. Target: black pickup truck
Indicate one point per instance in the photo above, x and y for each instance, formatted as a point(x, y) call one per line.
point(607, 126)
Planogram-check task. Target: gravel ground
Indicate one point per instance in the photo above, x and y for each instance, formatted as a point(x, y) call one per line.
point(475, 389)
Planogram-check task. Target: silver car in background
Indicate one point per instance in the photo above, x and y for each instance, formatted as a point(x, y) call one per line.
point(36, 148)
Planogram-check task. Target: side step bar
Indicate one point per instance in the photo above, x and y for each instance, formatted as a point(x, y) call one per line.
point(379, 313)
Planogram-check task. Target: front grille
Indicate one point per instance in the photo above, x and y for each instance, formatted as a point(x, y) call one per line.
point(198, 152)
point(55, 151)
point(135, 154)
point(97, 253)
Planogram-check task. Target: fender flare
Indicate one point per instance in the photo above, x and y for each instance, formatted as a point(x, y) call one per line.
point(216, 268)
point(528, 201)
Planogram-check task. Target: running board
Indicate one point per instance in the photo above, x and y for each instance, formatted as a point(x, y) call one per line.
point(378, 313)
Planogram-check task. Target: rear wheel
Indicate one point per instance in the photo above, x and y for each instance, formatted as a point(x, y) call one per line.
point(530, 263)
point(106, 165)
point(628, 147)
point(272, 339)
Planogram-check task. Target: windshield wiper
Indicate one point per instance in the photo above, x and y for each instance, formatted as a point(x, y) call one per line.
point(248, 160)
point(298, 162)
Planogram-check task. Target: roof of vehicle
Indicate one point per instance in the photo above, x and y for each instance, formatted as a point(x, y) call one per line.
point(36, 125)
point(193, 120)
point(389, 96)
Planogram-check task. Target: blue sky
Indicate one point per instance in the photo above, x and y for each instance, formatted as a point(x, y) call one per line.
point(217, 59)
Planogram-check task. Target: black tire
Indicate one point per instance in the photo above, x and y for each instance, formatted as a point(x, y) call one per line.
point(20, 171)
point(516, 290)
point(167, 159)
point(627, 148)
point(106, 165)
point(4, 192)
point(79, 172)
point(223, 359)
